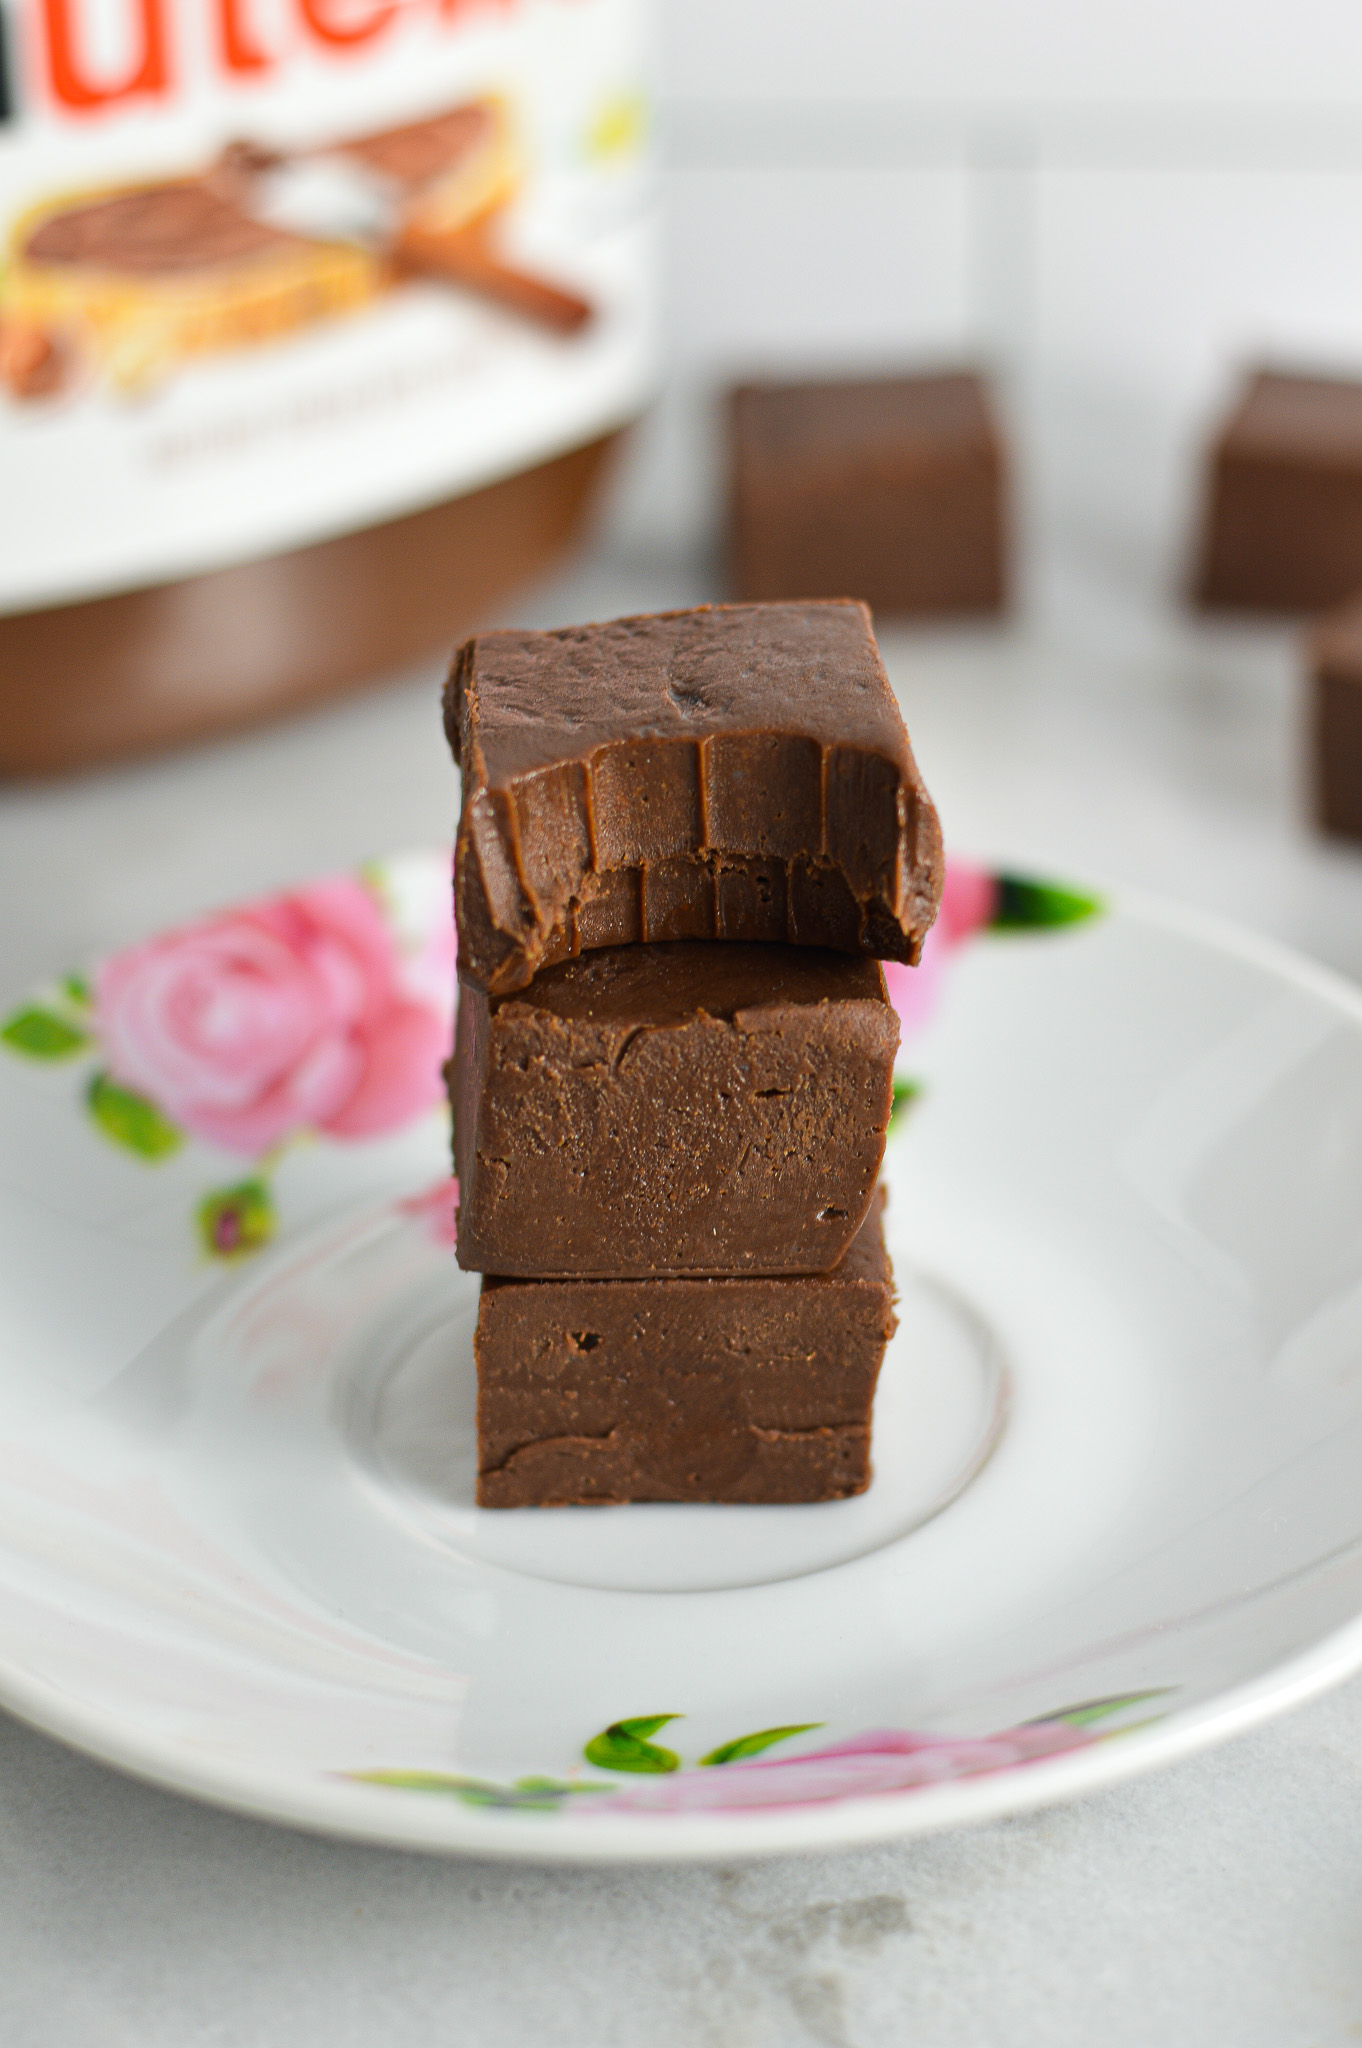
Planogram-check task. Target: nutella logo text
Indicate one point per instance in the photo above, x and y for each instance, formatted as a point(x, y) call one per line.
point(79, 84)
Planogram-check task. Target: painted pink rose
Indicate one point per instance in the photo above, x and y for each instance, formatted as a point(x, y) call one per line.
point(296, 1013)
point(967, 904)
point(885, 1760)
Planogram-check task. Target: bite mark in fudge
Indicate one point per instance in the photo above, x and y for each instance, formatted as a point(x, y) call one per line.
point(1283, 527)
point(893, 488)
point(696, 1108)
point(596, 1391)
point(737, 772)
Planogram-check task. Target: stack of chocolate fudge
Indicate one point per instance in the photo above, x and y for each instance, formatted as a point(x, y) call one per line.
point(686, 842)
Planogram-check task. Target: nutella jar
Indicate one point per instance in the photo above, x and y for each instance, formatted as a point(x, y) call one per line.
point(318, 319)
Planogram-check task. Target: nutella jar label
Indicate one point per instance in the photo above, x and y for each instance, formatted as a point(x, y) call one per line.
point(275, 270)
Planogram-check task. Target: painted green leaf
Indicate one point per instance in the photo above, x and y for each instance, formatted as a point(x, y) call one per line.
point(1089, 1711)
point(131, 1120)
point(1024, 904)
point(507, 1797)
point(753, 1745)
point(76, 989)
point(624, 1746)
point(42, 1034)
point(235, 1221)
point(408, 1781)
point(543, 1791)
point(534, 1795)
point(906, 1094)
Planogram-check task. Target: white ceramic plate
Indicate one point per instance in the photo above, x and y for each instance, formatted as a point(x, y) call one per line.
point(1117, 1510)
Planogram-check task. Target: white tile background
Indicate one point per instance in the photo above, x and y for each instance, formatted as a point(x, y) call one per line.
point(998, 52)
point(1112, 206)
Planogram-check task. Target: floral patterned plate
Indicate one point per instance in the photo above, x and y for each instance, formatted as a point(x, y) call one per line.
point(1116, 1511)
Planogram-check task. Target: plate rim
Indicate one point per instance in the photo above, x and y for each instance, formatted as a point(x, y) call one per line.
point(338, 1808)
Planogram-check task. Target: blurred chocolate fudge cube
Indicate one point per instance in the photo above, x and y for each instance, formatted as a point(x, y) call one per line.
point(891, 490)
point(1335, 656)
point(1283, 527)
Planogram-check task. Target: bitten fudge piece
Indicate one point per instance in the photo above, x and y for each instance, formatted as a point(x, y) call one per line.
point(891, 490)
point(672, 1109)
point(1335, 655)
point(735, 772)
point(682, 1389)
point(1284, 518)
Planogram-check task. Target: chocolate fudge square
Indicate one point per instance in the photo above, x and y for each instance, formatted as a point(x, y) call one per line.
point(737, 772)
point(890, 490)
point(593, 1391)
point(1283, 530)
point(688, 1108)
point(1335, 655)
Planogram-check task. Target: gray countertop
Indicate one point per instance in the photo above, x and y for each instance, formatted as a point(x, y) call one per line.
point(1217, 1902)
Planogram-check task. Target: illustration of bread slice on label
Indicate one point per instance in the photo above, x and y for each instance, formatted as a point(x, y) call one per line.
point(143, 278)
point(450, 172)
point(138, 279)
